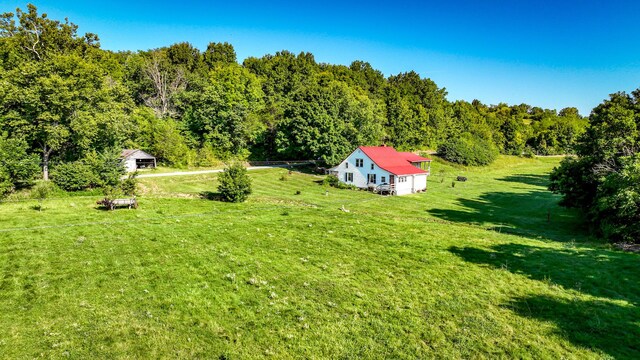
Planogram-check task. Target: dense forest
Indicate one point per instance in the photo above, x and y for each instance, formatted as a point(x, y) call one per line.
point(68, 99)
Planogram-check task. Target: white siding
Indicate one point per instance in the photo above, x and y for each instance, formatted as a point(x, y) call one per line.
point(130, 164)
point(360, 173)
point(414, 183)
point(421, 182)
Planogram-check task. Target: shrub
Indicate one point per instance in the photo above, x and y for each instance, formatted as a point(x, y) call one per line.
point(41, 191)
point(331, 180)
point(17, 168)
point(5, 183)
point(107, 168)
point(528, 152)
point(129, 185)
point(234, 183)
point(468, 150)
point(96, 170)
point(73, 176)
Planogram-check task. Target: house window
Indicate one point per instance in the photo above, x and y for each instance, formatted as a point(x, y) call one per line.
point(348, 177)
point(402, 179)
point(359, 162)
point(371, 166)
point(346, 165)
point(371, 178)
point(383, 179)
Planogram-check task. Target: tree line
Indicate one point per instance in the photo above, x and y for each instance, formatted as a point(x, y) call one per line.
point(64, 100)
point(603, 180)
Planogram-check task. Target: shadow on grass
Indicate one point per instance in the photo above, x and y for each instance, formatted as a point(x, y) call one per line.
point(529, 179)
point(210, 195)
point(599, 272)
point(533, 214)
point(597, 325)
point(609, 275)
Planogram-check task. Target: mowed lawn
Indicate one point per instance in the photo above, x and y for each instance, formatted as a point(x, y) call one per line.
point(489, 268)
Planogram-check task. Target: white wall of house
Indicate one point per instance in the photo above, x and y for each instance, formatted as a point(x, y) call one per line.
point(413, 183)
point(130, 164)
point(410, 185)
point(360, 174)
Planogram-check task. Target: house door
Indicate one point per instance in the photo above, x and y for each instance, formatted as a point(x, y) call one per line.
point(392, 179)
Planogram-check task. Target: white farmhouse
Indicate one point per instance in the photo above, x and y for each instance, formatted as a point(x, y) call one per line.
point(384, 169)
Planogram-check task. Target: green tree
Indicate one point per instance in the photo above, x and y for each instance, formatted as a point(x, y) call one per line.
point(55, 96)
point(468, 150)
point(18, 168)
point(161, 137)
point(219, 53)
point(234, 184)
point(326, 120)
point(602, 180)
point(223, 115)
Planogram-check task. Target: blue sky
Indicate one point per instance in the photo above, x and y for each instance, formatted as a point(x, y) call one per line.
point(550, 54)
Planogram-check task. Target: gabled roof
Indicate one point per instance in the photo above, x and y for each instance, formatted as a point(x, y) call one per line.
point(139, 154)
point(411, 157)
point(397, 163)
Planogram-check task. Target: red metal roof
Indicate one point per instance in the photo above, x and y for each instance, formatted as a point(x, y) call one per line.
point(395, 162)
point(409, 156)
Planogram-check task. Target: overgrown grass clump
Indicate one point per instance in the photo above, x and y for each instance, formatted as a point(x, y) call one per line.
point(492, 268)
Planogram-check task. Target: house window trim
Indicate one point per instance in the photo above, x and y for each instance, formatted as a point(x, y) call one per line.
point(348, 177)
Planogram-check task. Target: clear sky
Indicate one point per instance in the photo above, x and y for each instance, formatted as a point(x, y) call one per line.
point(551, 54)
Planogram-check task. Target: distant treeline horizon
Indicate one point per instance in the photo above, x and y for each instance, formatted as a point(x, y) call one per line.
point(66, 99)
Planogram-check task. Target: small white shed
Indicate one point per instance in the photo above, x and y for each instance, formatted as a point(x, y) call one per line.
point(135, 159)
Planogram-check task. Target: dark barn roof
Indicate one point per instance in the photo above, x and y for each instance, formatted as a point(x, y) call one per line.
point(135, 153)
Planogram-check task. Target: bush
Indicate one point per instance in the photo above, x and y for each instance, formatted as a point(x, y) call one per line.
point(107, 168)
point(73, 176)
point(41, 191)
point(96, 170)
point(17, 168)
point(129, 185)
point(616, 211)
point(234, 183)
point(5, 183)
point(528, 152)
point(468, 150)
point(331, 180)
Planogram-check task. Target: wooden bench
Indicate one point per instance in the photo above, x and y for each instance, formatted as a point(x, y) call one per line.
point(114, 203)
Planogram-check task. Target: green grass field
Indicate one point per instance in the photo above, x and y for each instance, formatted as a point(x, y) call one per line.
point(490, 268)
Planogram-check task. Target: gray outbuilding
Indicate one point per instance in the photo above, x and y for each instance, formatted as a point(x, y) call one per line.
point(135, 159)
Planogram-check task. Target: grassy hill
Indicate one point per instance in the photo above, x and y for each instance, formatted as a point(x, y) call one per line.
point(487, 268)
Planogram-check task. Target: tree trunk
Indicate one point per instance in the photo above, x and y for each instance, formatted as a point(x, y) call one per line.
point(45, 163)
